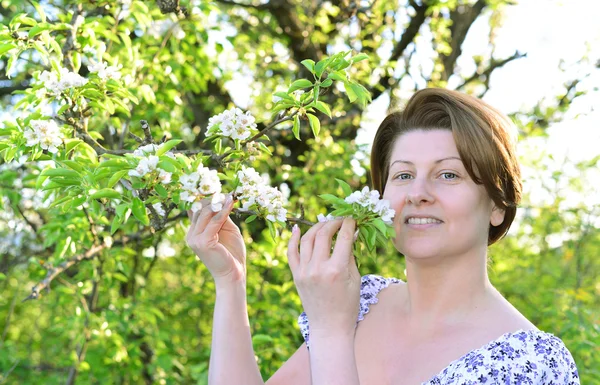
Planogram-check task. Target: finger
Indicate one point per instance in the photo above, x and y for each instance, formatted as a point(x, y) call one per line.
point(292, 252)
point(323, 240)
point(205, 214)
point(342, 251)
point(307, 243)
point(217, 221)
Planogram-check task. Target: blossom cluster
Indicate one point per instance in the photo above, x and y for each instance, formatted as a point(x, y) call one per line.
point(370, 200)
point(199, 184)
point(105, 71)
point(253, 191)
point(45, 133)
point(233, 123)
point(66, 79)
point(149, 163)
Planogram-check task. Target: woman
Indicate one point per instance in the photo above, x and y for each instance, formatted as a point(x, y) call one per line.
point(447, 164)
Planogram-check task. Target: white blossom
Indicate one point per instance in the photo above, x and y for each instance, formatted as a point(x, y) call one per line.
point(56, 84)
point(323, 218)
point(164, 176)
point(253, 191)
point(217, 202)
point(196, 206)
point(233, 123)
point(201, 183)
point(145, 166)
point(159, 209)
point(370, 200)
point(105, 71)
point(44, 133)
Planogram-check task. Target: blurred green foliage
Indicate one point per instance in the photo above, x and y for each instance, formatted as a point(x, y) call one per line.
point(151, 316)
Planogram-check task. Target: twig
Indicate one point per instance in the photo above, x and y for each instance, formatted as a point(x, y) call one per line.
point(76, 21)
point(55, 271)
point(92, 229)
point(147, 133)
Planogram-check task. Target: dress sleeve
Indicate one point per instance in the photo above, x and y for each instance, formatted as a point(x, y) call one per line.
point(370, 286)
point(555, 363)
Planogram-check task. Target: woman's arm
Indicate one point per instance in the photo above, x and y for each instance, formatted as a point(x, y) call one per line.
point(332, 359)
point(232, 355)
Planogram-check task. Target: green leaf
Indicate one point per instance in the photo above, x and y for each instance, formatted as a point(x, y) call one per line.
point(333, 199)
point(161, 191)
point(115, 163)
point(139, 211)
point(359, 57)
point(391, 232)
point(116, 178)
point(116, 223)
point(61, 172)
point(167, 146)
point(250, 218)
point(73, 165)
point(271, 229)
point(39, 10)
point(380, 225)
point(310, 64)
point(6, 47)
point(337, 76)
point(324, 108)
point(72, 143)
point(326, 83)
point(34, 31)
point(62, 109)
point(361, 92)
point(93, 94)
point(350, 92)
point(285, 96)
point(296, 127)
point(40, 180)
point(315, 124)
point(345, 187)
point(106, 193)
point(299, 84)
point(321, 65)
point(264, 148)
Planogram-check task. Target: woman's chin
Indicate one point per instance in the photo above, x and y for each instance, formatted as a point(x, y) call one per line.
point(419, 251)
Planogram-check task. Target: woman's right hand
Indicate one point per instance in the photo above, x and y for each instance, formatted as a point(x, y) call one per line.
point(218, 243)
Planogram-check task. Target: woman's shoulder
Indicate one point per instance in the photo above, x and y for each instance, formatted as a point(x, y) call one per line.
point(370, 287)
point(524, 356)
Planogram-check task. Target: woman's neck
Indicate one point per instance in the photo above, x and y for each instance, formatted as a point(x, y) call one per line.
point(447, 292)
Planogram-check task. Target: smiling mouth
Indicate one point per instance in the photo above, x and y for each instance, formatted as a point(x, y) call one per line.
point(422, 221)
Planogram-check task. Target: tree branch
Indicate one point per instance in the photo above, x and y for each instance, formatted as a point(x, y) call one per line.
point(494, 64)
point(408, 36)
point(55, 271)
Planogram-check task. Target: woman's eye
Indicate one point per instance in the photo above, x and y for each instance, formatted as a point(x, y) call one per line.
point(402, 176)
point(449, 175)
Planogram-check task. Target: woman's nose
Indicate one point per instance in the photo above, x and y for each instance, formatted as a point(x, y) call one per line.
point(418, 193)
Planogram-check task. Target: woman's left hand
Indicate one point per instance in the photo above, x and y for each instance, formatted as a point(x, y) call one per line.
point(328, 283)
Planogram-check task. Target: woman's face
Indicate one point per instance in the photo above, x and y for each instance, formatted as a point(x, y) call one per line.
point(439, 209)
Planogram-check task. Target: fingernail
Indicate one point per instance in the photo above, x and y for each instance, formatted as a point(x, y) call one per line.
point(228, 200)
point(355, 235)
point(295, 229)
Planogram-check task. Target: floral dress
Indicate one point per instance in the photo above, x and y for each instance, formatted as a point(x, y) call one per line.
point(529, 357)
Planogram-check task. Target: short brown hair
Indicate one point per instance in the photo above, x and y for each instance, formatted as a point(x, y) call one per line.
point(483, 137)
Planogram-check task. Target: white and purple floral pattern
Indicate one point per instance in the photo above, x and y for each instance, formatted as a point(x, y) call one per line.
point(523, 357)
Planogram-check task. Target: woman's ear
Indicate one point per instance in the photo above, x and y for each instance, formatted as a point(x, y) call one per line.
point(497, 216)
